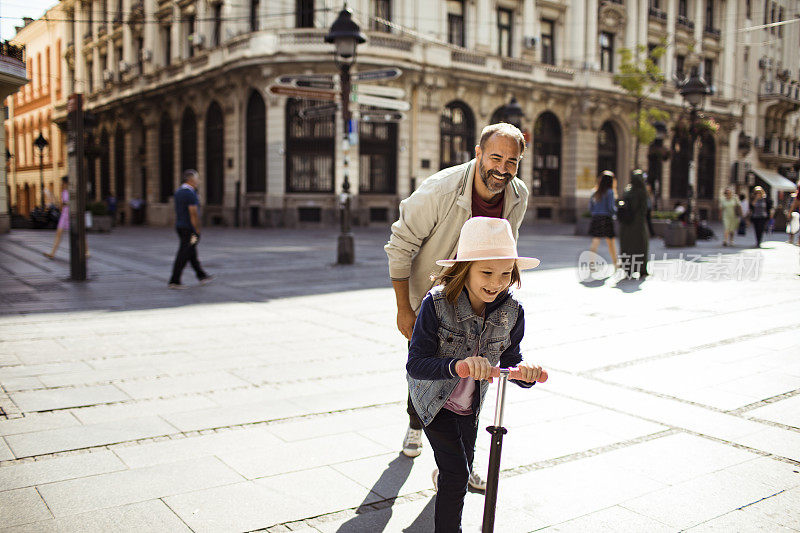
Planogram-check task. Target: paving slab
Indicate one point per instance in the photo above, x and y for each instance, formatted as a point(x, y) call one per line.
point(46, 400)
point(135, 485)
point(55, 469)
point(22, 506)
point(609, 520)
point(77, 437)
point(152, 515)
point(35, 422)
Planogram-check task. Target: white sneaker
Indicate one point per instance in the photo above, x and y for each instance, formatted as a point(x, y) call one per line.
point(412, 444)
point(475, 480)
point(435, 476)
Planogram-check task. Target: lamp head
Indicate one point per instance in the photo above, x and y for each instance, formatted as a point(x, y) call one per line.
point(346, 35)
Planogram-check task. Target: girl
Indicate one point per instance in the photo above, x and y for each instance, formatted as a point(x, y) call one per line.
point(603, 208)
point(63, 219)
point(470, 316)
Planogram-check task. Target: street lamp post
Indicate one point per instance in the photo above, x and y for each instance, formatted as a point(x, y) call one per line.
point(346, 35)
point(41, 143)
point(694, 90)
point(512, 112)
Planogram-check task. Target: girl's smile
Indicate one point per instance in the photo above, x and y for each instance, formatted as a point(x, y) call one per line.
point(486, 280)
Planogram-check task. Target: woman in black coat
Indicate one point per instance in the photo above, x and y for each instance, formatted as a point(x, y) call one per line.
point(634, 239)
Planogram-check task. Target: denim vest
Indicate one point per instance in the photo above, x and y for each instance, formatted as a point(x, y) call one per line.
point(459, 332)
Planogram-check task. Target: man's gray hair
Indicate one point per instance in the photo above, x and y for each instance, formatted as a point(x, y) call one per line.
point(506, 130)
point(189, 174)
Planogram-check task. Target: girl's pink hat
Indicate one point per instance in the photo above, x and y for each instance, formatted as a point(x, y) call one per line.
point(486, 239)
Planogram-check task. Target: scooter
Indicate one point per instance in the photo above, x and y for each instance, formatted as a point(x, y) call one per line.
point(497, 431)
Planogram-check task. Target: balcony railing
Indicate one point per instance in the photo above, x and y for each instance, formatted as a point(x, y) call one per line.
point(657, 13)
point(685, 22)
point(714, 32)
point(465, 56)
point(780, 88)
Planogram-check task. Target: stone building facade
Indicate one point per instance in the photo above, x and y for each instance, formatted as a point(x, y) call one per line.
point(179, 84)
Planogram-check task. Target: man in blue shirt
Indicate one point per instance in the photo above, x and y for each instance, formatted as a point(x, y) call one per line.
point(187, 224)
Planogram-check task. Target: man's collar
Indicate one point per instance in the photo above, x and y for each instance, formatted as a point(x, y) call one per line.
point(187, 186)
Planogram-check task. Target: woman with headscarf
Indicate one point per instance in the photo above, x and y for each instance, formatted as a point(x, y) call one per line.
point(633, 236)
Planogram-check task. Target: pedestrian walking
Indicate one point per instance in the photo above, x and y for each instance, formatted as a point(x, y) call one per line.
point(793, 220)
point(187, 224)
point(634, 241)
point(731, 213)
point(603, 207)
point(470, 316)
point(760, 212)
point(430, 223)
point(745, 210)
point(63, 220)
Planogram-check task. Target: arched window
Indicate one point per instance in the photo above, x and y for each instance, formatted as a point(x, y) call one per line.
point(547, 155)
point(706, 167)
point(457, 134)
point(679, 167)
point(166, 162)
point(256, 144)
point(309, 149)
point(119, 163)
point(378, 157)
point(105, 167)
point(188, 140)
point(215, 155)
point(607, 149)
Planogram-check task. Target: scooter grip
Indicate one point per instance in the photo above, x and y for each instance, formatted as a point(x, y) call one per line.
point(462, 369)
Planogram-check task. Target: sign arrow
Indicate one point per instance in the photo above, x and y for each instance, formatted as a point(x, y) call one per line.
point(381, 74)
point(318, 111)
point(302, 92)
point(373, 116)
point(289, 78)
point(379, 90)
point(377, 101)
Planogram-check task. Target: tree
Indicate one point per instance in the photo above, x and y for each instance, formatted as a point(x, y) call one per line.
point(640, 76)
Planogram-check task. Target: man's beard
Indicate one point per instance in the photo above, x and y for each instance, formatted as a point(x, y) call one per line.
point(490, 183)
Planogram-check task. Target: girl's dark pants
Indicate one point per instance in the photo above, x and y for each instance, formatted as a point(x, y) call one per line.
point(452, 439)
point(758, 225)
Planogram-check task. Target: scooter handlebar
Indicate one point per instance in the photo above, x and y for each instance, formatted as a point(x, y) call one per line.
point(462, 369)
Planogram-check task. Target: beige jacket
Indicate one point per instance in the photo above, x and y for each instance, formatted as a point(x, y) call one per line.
point(430, 224)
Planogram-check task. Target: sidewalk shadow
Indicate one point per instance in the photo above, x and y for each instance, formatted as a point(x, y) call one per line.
point(423, 522)
point(387, 487)
point(629, 285)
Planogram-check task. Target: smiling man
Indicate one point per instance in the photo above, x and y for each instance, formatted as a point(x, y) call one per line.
point(430, 223)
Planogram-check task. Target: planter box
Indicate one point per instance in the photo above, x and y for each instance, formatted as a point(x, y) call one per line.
point(675, 235)
point(660, 227)
point(101, 223)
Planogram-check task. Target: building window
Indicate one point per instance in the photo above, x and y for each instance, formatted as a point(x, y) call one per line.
point(166, 155)
point(216, 35)
point(377, 157)
point(119, 164)
point(188, 140)
point(748, 8)
point(706, 167)
point(780, 19)
point(215, 155)
point(505, 18)
point(455, 22)
point(89, 77)
point(746, 62)
point(457, 134)
point(683, 8)
point(166, 31)
point(256, 144)
point(309, 149)
point(140, 54)
point(606, 149)
point(709, 14)
point(708, 72)
point(548, 42)
point(546, 155)
point(680, 65)
point(679, 167)
point(189, 42)
point(304, 14)
point(650, 48)
point(254, 15)
point(607, 51)
point(381, 9)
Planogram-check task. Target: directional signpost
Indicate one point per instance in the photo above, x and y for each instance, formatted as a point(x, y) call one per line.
point(302, 92)
point(378, 101)
point(379, 90)
point(318, 111)
point(377, 116)
point(383, 74)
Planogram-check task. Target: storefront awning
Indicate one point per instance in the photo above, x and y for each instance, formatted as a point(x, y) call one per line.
point(775, 180)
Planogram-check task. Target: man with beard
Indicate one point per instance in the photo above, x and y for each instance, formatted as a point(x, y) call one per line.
point(430, 223)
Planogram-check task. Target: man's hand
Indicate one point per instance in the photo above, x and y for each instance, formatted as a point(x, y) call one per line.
point(405, 321)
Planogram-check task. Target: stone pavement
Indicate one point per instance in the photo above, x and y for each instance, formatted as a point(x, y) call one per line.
point(274, 397)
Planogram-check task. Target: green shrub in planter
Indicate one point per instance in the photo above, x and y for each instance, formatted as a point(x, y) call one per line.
point(98, 209)
point(664, 215)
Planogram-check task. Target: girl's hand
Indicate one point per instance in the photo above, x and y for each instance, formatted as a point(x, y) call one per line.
point(530, 372)
point(479, 367)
